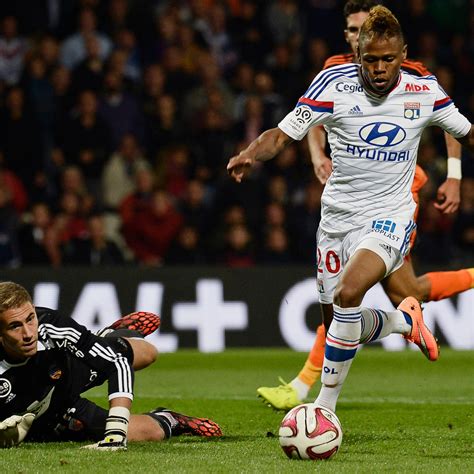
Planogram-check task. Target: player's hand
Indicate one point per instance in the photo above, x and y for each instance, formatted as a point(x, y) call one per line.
point(322, 168)
point(239, 166)
point(110, 443)
point(14, 429)
point(449, 196)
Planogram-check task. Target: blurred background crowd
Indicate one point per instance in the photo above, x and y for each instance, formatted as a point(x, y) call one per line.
point(118, 117)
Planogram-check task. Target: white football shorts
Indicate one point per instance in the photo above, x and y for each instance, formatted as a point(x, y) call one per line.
point(388, 238)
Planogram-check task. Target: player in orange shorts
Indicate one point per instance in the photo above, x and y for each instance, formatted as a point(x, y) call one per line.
point(432, 286)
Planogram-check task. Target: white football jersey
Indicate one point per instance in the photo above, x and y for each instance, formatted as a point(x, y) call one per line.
point(374, 141)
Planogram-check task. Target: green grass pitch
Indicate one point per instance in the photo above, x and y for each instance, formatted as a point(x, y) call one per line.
point(399, 412)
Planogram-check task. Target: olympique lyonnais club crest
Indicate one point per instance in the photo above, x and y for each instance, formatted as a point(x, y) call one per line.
point(411, 110)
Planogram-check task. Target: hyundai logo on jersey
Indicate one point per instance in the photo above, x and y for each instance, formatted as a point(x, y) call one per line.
point(382, 134)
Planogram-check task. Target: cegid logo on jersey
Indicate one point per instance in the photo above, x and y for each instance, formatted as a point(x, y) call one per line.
point(348, 87)
point(382, 134)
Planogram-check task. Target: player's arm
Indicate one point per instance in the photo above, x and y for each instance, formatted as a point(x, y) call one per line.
point(449, 193)
point(317, 148)
point(263, 148)
point(95, 352)
point(468, 140)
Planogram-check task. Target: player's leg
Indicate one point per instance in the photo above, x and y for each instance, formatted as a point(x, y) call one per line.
point(176, 424)
point(144, 322)
point(442, 285)
point(363, 270)
point(144, 353)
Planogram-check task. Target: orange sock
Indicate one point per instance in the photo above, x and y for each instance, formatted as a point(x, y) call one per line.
point(314, 363)
point(446, 284)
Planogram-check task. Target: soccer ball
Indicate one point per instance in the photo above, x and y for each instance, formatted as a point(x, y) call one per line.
point(310, 431)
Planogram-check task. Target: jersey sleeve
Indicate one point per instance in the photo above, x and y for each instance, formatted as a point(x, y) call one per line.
point(315, 107)
point(447, 116)
point(68, 335)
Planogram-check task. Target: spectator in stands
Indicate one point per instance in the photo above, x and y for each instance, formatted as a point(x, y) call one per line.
point(239, 251)
point(20, 137)
point(126, 43)
point(304, 219)
point(9, 251)
point(283, 19)
point(151, 232)
point(163, 125)
point(63, 99)
point(48, 50)
point(120, 110)
point(70, 223)
point(117, 17)
point(154, 81)
point(94, 248)
point(248, 33)
point(13, 49)
point(14, 188)
point(173, 169)
point(252, 123)
point(242, 87)
point(89, 73)
point(218, 38)
point(195, 209)
point(120, 170)
point(73, 49)
point(86, 130)
point(37, 238)
point(186, 248)
point(276, 250)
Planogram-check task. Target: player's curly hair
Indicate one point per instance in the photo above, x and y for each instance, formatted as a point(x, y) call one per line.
point(357, 6)
point(12, 296)
point(381, 23)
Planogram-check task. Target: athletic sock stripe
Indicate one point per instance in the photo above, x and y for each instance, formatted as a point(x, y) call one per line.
point(345, 344)
point(335, 354)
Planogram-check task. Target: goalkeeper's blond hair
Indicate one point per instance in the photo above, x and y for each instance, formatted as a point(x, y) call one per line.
point(381, 23)
point(12, 296)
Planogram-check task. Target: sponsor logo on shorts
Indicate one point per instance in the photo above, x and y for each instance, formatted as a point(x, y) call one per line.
point(387, 249)
point(5, 388)
point(386, 228)
point(382, 134)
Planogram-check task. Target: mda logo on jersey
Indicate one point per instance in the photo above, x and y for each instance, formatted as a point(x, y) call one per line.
point(382, 134)
point(411, 110)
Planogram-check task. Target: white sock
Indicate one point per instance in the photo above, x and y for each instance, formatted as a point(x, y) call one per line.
point(342, 341)
point(377, 324)
point(301, 388)
point(328, 396)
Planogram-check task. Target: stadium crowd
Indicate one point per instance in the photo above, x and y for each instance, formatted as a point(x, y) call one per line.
point(117, 118)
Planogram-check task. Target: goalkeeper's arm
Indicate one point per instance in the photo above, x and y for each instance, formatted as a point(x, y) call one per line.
point(14, 429)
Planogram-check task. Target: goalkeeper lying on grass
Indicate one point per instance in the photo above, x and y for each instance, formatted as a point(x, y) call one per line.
point(48, 360)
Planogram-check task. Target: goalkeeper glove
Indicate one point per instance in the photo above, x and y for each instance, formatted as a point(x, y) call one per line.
point(110, 443)
point(14, 429)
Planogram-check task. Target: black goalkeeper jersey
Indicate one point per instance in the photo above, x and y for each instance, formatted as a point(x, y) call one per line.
point(70, 360)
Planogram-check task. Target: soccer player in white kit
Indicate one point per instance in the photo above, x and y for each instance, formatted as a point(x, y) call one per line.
point(374, 115)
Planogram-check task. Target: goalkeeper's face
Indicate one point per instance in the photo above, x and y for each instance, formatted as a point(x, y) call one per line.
point(19, 332)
